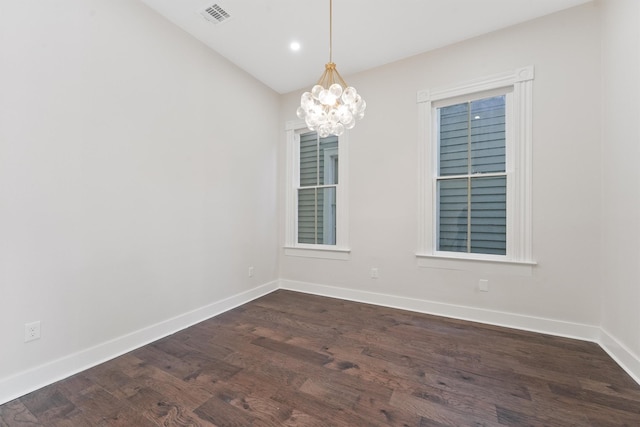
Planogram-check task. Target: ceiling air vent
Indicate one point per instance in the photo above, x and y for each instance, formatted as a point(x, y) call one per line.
point(216, 14)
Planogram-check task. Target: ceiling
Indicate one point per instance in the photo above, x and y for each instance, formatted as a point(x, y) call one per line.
point(257, 34)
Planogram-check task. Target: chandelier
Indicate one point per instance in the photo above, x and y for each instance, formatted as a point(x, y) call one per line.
point(332, 106)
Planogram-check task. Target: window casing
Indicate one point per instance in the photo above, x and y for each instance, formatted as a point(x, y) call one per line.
point(316, 205)
point(475, 172)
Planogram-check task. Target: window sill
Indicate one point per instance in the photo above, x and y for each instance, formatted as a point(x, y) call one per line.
point(318, 252)
point(491, 266)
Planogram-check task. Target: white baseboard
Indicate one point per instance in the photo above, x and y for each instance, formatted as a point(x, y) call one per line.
point(25, 382)
point(498, 318)
point(624, 357)
point(618, 352)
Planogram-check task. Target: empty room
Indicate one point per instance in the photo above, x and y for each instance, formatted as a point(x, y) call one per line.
point(320, 213)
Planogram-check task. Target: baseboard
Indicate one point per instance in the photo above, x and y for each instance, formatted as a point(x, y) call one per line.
point(25, 382)
point(498, 318)
point(624, 357)
point(618, 352)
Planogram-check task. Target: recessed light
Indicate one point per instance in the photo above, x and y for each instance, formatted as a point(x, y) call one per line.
point(294, 46)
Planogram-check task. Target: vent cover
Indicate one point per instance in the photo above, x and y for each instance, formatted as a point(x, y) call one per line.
point(216, 14)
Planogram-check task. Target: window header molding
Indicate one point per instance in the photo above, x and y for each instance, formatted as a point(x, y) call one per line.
point(477, 85)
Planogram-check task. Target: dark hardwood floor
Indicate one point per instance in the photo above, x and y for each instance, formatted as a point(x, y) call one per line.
point(291, 359)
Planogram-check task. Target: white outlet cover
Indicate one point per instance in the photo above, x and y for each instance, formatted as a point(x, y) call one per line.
point(31, 331)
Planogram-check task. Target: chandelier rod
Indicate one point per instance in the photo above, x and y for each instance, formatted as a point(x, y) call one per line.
point(330, 30)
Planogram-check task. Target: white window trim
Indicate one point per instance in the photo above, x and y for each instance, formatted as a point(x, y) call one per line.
point(519, 258)
point(341, 249)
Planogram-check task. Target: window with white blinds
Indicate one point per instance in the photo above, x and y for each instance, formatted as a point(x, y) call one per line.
point(475, 172)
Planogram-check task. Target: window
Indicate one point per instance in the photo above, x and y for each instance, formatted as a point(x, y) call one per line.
point(471, 179)
point(316, 194)
point(475, 164)
point(318, 159)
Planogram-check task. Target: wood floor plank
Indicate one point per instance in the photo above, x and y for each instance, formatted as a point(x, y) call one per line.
point(294, 359)
point(331, 412)
point(190, 395)
point(155, 406)
point(221, 411)
point(48, 404)
point(16, 414)
point(98, 406)
point(436, 413)
point(306, 355)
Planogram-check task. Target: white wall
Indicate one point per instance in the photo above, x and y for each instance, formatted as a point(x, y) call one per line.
point(131, 188)
point(621, 172)
point(565, 286)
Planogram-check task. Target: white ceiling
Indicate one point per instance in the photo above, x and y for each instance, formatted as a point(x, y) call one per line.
point(366, 33)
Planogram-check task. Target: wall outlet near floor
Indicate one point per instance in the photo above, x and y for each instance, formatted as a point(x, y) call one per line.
point(31, 331)
point(483, 285)
point(251, 270)
point(374, 273)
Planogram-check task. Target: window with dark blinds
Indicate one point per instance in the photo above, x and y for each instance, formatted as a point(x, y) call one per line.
point(317, 189)
point(471, 179)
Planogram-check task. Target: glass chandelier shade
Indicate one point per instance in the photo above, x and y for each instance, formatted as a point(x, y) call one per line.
point(332, 106)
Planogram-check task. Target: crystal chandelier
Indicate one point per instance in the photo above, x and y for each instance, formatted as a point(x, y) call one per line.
point(332, 106)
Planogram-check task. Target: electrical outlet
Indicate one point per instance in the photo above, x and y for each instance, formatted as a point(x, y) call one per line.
point(31, 331)
point(374, 273)
point(251, 271)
